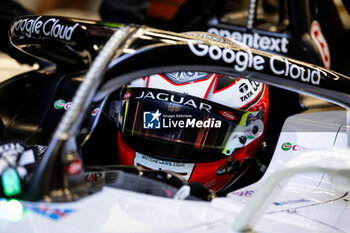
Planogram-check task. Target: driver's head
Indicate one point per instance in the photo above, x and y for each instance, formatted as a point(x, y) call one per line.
point(205, 127)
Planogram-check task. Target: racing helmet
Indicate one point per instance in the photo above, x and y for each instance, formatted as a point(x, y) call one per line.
point(205, 127)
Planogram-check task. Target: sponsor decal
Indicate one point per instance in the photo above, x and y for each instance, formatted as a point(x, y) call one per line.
point(99, 177)
point(186, 101)
point(210, 183)
point(255, 40)
point(183, 169)
point(295, 72)
point(162, 162)
point(290, 202)
point(242, 60)
point(286, 146)
point(250, 90)
point(127, 95)
point(246, 96)
point(52, 213)
point(243, 88)
point(184, 77)
point(228, 115)
point(321, 43)
point(255, 85)
point(74, 167)
point(245, 193)
point(94, 177)
point(51, 27)
point(289, 146)
point(61, 104)
point(157, 120)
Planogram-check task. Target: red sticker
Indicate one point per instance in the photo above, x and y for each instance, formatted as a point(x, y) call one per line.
point(74, 167)
point(321, 42)
point(228, 115)
point(127, 95)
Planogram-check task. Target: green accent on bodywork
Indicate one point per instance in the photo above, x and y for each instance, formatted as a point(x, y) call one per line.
point(109, 24)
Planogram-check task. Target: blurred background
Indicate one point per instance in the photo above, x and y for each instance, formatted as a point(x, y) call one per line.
point(164, 9)
point(77, 8)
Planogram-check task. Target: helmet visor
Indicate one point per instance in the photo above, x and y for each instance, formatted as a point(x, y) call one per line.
point(171, 117)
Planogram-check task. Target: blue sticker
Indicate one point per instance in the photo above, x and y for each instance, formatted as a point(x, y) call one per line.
point(290, 202)
point(52, 213)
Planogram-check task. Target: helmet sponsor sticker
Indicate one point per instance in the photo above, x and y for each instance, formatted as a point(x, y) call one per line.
point(127, 95)
point(321, 43)
point(243, 88)
point(246, 96)
point(242, 60)
point(255, 40)
point(168, 97)
point(185, 77)
point(228, 115)
point(249, 91)
point(183, 169)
